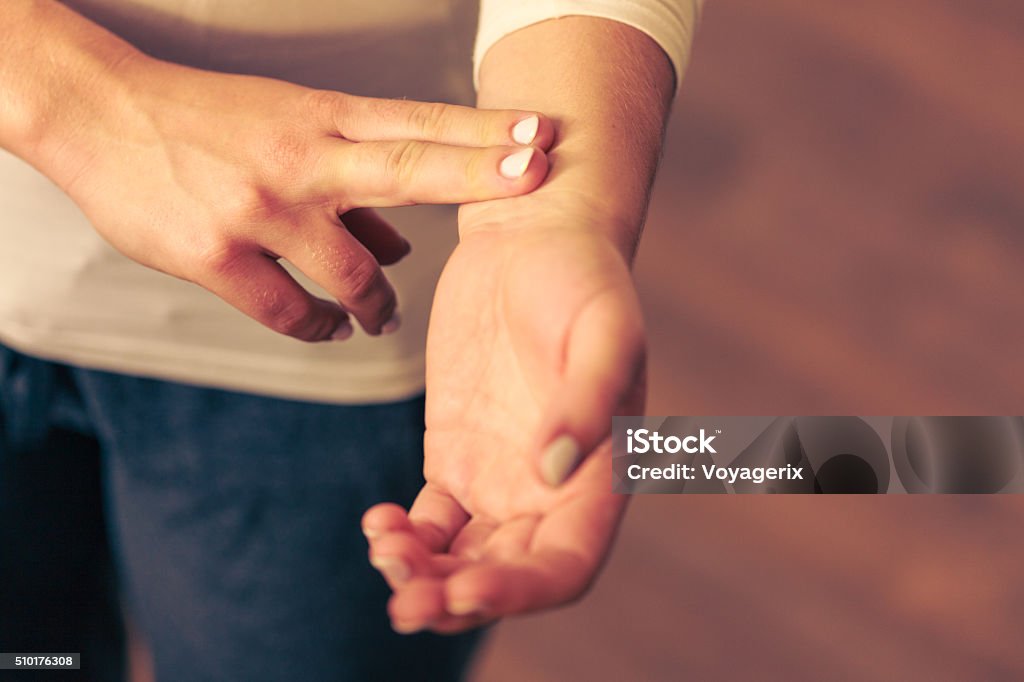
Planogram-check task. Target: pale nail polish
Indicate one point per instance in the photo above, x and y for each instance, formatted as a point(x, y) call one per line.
point(465, 608)
point(343, 331)
point(559, 460)
point(393, 568)
point(392, 325)
point(406, 627)
point(525, 131)
point(371, 534)
point(514, 165)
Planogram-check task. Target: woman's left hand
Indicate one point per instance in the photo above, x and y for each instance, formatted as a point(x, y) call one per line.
point(535, 341)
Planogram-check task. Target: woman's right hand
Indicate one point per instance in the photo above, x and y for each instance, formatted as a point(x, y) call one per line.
point(213, 177)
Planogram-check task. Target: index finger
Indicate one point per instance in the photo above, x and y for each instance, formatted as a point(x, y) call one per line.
point(406, 172)
point(368, 119)
point(435, 518)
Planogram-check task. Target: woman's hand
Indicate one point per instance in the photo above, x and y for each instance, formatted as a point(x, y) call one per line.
point(535, 339)
point(214, 177)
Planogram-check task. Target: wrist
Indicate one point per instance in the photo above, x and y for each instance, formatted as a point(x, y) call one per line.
point(98, 113)
point(71, 94)
point(552, 211)
point(608, 88)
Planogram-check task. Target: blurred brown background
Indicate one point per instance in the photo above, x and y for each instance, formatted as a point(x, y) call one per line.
point(838, 229)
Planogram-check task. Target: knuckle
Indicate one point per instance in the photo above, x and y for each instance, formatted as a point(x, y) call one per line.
point(362, 281)
point(429, 118)
point(219, 258)
point(402, 161)
point(291, 317)
point(286, 152)
point(326, 105)
point(244, 202)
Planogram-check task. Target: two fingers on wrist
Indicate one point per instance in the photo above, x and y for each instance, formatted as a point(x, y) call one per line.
point(393, 153)
point(397, 152)
point(345, 259)
point(366, 119)
point(405, 172)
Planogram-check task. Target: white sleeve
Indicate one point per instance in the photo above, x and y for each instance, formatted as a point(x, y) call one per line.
point(670, 23)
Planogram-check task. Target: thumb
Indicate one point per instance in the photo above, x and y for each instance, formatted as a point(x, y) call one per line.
point(604, 373)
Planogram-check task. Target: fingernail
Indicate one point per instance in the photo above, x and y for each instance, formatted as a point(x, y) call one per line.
point(343, 331)
point(514, 165)
point(525, 131)
point(392, 325)
point(559, 460)
point(465, 608)
point(407, 627)
point(371, 534)
point(394, 569)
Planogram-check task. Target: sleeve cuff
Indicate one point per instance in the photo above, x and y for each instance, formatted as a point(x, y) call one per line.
point(670, 23)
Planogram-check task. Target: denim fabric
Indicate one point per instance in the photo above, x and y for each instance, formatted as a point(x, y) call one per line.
point(232, 520)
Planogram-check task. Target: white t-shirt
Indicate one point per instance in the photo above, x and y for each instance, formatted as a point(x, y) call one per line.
point(65, 294)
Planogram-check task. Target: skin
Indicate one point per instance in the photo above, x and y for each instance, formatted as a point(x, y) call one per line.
point(535, 333)
point(213, 177)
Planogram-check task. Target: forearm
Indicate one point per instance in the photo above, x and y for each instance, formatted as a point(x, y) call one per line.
point(608, 87)
point(58, 73)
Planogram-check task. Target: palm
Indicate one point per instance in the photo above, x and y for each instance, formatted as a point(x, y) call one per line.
point(509, 314)
point(502, 315)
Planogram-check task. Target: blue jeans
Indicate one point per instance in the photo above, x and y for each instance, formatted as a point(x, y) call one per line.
point(228, 524)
